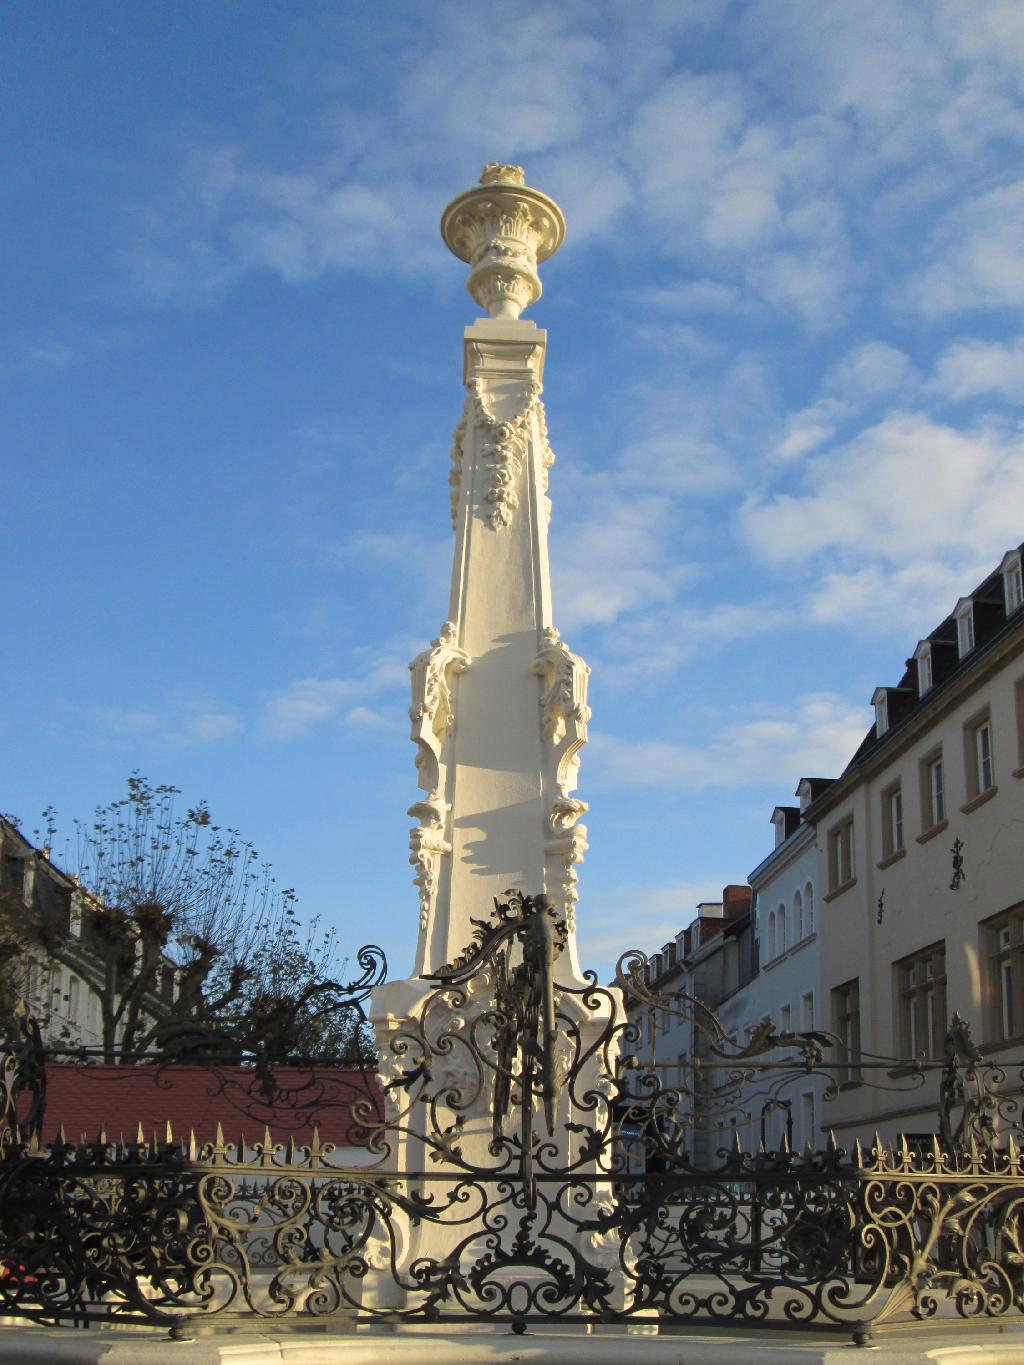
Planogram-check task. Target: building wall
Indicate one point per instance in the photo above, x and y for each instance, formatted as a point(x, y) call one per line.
point(903, 902)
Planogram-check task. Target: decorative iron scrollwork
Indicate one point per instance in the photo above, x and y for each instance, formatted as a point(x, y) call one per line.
point(601, 1211)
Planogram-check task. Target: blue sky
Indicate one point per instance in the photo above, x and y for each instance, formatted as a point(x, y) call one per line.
point(783, 381)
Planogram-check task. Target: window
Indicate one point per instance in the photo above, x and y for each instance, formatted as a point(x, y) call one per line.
point(1003, 947)
point(785, 1019)
point(781, 941)
point(798, 918)
point(892, 822)
point(771, 936)
point(1018, 700)
point(1013, 581)
point(921, 1002)
point(807, 1011)
point(925, 668)
point(809, 907)
point(933, 790)
point(964, 614)
point(840, 856)
point(978, 756)
point(808, 1120)
point(74, 987)
point(880, 701)
point(846, 1025)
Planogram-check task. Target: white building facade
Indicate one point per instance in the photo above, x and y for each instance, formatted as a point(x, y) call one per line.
point(920, 848)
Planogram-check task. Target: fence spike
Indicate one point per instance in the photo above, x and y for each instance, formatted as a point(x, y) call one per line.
point(140, 1136)
point(831, 1146)
point(170, 1133)
point(62, 1136)
point(314, 1146)
point(289, 1151)
point(858, 1153)
point(1011, 1151)
point(881, 1155)
point(784, 1146)
point(191, 1144)
point(103, 1137)
point(268, 1145)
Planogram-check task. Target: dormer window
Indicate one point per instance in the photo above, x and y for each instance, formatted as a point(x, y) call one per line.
point(925, 669)
point(1013, 581)
point(779, 821)
point(880, 701)
point(803, 793)
point(964, 615)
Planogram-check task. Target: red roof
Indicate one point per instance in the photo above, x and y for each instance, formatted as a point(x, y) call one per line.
point(116, 1099)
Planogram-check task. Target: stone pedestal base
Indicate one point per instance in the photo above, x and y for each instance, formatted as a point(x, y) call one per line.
point(604, 1346)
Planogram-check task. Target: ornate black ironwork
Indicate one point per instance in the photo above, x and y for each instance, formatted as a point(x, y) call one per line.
point(959, 875)
point(458, 1207)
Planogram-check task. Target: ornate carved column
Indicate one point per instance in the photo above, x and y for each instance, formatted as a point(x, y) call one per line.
point(499, 707)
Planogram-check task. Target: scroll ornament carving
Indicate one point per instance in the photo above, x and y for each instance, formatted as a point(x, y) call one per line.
point(563, 855)
point(564, 715)
point(428, 848)
point(563, 704)
point(432, 715)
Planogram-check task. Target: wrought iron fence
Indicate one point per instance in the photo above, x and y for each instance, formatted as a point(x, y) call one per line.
point(526, 1168)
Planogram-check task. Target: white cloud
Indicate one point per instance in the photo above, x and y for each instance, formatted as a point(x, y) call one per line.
point(971, 367)
point(977, 256)
point(816, 733)
point(883, 598)
point(308, 702)
point(655, 914)
point(871, 369)
point(614, 560)
point(810, 428)
point(659, 640)
point(905, 489)
point(52, 354)
point(213, 725)
point(865, 373)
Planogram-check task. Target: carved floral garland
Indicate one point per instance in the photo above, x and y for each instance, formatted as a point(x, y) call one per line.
point(504, 448)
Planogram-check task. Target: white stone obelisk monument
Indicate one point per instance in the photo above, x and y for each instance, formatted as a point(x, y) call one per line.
point(499, 713)
point(499, 706)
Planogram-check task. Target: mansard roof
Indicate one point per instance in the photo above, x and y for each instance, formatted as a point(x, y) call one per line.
point(993, 625)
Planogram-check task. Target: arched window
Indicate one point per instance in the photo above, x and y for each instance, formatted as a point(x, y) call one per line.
point(771, 937)
point(809, 908)
point(798, 918)
point(780, 928)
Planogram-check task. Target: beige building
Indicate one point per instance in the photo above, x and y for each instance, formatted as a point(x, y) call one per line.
point(920, 848)
point(52, 961)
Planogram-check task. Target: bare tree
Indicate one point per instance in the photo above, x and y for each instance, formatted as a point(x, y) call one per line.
point(191, 942)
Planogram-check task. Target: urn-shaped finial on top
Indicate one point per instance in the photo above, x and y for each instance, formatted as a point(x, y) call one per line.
point(503, 228)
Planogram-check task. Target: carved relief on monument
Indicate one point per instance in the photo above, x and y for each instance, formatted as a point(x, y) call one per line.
point(504, 447)
point(564, 714)
point(432, 714)
point(563, 705)
point(562, 855)
point(455, 472)
point(503, 234)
